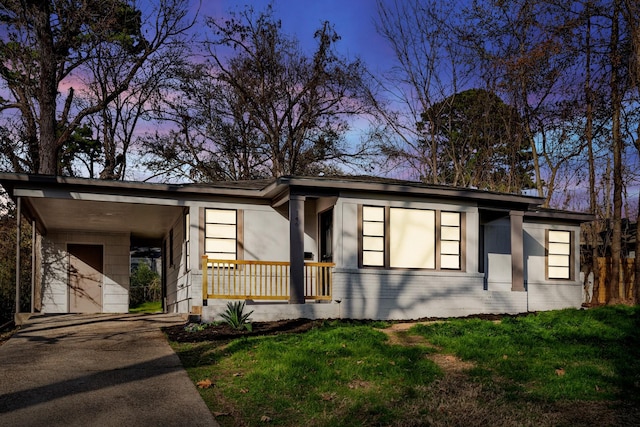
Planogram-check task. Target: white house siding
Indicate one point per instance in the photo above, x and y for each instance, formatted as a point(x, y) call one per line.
point(383, 294)
point(176, 272)
point(115, 287)
point(549, 294)
point(266, 234)
point(373, 293)
point(265, 237)
point(410, 294)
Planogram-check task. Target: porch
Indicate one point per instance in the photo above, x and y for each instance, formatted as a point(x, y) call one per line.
point(263, 280)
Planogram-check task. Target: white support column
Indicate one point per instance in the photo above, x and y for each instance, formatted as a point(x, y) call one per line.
point(517, 251)
point(33, 265)
point(296, 249)
point(18, 233)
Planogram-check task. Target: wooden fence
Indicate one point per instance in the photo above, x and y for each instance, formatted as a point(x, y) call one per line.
point(602, 272)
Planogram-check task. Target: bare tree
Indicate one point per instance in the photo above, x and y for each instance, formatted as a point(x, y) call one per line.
point(528, 48)
point(259, 106)
point(46, 48)
point(419, 88)
point(117, 123)
point(631, 11)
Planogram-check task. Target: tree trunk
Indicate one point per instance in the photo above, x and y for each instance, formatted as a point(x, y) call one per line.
point(613, 296)
point(636, 279)
point(592, 231)
point(48, 90)
point(632, 13)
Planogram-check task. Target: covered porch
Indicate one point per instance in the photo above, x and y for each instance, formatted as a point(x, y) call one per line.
point(263, 280)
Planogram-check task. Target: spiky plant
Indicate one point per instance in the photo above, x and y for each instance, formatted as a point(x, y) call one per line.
point(235, 316)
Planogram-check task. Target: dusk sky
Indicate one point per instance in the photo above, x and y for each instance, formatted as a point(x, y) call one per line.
point(353, 21)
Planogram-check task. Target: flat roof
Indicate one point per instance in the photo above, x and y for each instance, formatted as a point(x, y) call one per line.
point(270, 190)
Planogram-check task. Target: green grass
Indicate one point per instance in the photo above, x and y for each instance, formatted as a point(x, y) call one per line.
point(559, 355)
point(339, 374)
point(147, 307)
point(542, 369)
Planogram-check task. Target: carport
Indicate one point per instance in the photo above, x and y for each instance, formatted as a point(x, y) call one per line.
point(82, 234)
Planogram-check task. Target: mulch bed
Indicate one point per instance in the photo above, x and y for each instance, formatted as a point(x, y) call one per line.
point(225, 332)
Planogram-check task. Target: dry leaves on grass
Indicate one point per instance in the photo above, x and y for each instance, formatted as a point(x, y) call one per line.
point(327, 397)
point(206, 383)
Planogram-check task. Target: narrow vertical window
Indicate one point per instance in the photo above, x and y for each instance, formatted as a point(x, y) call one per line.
point(559, 255)
point(373, 239)
point(221, 227)
point(171, 247)
point(450, 238)
point(187, 239)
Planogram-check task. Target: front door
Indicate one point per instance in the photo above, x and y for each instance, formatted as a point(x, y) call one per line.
point(85, 278)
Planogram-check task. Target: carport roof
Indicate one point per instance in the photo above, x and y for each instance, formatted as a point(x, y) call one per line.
point(147, 210)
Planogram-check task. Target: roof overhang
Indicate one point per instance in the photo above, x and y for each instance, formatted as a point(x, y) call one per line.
point(147, 210)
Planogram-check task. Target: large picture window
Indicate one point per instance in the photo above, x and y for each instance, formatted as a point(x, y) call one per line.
point(412, 238)
point(393, 237)
point(221, 228)
point(559, 254)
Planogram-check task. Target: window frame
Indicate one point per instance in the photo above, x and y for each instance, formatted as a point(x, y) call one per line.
point(460, 241)
point(239, 245)
point(437, 232)
point(361, 236)
point(569, 256)
point(170, 248)
point(187, 239)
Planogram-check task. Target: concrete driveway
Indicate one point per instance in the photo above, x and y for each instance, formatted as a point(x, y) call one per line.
point(96, 370)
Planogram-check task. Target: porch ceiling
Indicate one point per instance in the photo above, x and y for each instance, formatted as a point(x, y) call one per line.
point(140, 220)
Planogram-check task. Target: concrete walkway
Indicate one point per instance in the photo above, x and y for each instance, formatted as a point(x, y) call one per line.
point(96, 370)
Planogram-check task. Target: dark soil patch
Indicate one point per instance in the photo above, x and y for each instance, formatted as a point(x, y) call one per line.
point(223, 332)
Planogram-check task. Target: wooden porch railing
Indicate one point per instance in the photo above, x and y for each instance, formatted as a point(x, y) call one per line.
point(262, 280)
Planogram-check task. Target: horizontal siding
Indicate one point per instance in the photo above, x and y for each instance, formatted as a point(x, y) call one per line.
point(115, 286)
point(372, 295)
point(554, 296)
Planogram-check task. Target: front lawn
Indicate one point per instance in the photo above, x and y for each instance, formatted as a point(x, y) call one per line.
point(566, 367)
point(559, 355)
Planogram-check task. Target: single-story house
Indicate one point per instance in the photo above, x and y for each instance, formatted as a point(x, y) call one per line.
point(313, 247)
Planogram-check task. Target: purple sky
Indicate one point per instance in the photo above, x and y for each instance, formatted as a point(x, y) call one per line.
point(353, 21)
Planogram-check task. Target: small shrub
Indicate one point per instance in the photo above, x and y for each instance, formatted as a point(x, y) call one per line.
point(235, 317)
point(195, 327)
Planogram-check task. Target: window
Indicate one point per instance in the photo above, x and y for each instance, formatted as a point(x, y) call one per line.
point(187, 239)
point(393, 237)
point(171, 247)
point(412, 238)
point(450, 240)
point(558, 254)
point(373, 236)
point(221, 227)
